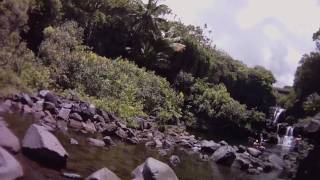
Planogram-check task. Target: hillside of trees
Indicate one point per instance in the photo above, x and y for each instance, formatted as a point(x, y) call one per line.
point(126, 58)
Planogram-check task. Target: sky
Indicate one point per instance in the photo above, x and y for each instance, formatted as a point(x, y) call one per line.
point(271, 33)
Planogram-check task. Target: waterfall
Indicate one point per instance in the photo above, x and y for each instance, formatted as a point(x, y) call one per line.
point(277, 114)
point(287, 140)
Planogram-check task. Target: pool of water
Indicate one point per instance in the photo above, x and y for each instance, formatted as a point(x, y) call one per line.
point(121, 159)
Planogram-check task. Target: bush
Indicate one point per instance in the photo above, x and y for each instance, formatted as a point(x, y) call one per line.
point(115, 85)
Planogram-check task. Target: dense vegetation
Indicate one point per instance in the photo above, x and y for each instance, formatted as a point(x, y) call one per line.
point(125, 57)
point(303, 99)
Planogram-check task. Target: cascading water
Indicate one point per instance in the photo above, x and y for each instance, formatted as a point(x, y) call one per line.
point(287, 140)
point(277, 114)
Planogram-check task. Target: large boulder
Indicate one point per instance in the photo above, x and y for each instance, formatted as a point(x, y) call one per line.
point(224, 155)
point(42, 146)
point(8, 140)
point(9, 166)
point(313, 126)
point(103, 174)
point(153, 169)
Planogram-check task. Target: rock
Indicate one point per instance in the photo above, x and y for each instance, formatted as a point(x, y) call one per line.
point(276, 161)
point(66, 105)
point(174, 160)
point(50, 97)
point(50, 107)
point(9, 166)
point(75, 124)
point(241, 149)
point(72, 175)
point(224, 155)
point(26, 99)
point(8, 140)
point(38, 106)
point(62, 125)
point(167, 144)
point(163, 152)
point(98, 118)
point(108, 141)
point(43, 93)
point(73, 141)
point(121, 133)
point(150, 144)
point(253, 171)
point(313, 126)
point(105, 116)
point(254, 152)
point(109, 129)
point(42, 146)
point(223, 143)
point(209, 147)
point(96, 142)
point(132, 140)
point(241, 162)
point(185, 144)
point(89, 127)
point(153, 169)
point(64, 114)
point(158, 143)
point(103, 174)
point(75, 116)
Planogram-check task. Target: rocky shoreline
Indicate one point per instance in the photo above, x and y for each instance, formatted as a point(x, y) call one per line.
point(55, 113)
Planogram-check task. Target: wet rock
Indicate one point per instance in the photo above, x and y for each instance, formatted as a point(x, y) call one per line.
point(241, 162)
point(121, 133)
point(62, 125)
point(253, 171)
point(254, 152)
point(241, 149)
point(153, 169)
point(75, 116)
point(64, 113)
point(174, 160)
point(276, 161)
point(313, 126)
point(209, 147)
point(109, 129)
point(96, 142)
point(73, 141)
point(75, 124)
point(132, 140)
point(150, 144)
point(8, 140)
point(103, 174)
point(224, 155)
point(72, 176)
point(9, 166)
point(42, 146)
point(108, 141)
point(89, 127)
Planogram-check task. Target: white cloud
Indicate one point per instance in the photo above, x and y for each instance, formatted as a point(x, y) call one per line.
point(271, 33)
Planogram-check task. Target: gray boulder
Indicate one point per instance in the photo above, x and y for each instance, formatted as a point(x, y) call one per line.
point(41, 145)
point(254, 152)
point(174, 160)
point(103, 174)
point(8, 140)
point(9, 166)
point(313, 126)
point(224, 155)
point(153, 169)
